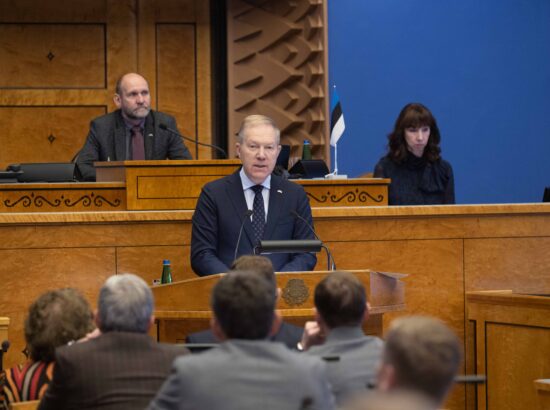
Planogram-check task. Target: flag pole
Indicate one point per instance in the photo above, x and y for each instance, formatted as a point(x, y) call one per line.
point(335, 159)
point(337, 127)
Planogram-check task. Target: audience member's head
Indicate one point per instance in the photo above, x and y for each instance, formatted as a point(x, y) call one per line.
point(243, 303)
point(421, 354)
point(257, 264)
point(125, 304)
point(396, 400)
point(56, 318)
point(340, 300)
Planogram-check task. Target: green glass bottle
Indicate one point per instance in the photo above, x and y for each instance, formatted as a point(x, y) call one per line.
point(166, 272)
point(306, 150)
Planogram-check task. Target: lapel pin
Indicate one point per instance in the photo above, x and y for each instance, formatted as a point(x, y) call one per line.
point(279, 191)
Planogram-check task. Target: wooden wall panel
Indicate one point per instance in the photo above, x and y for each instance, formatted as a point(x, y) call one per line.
point(50, 134)
point(45, 55)
point(176, 59)
point(508, 259)
point(71, 53)
point(54, 11)
point(516, 356)
point(27, 273)
point(147, 261)
point(174, 54)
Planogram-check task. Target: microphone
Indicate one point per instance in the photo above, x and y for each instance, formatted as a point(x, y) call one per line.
point(330, 260)
point(165, 127)
point(246, 215)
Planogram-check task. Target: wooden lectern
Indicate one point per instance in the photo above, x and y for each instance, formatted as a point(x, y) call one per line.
point(184, 307)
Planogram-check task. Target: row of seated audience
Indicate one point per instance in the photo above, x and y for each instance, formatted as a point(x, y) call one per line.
point(118, 366)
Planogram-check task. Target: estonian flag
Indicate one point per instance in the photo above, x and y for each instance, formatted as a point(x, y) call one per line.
point(337, 125)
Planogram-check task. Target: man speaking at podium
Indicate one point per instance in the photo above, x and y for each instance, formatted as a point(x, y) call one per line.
point(235, 212)
point(133, 131)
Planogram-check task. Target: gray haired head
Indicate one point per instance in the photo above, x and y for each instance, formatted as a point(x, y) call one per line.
point(125, 304)
point(255, 120)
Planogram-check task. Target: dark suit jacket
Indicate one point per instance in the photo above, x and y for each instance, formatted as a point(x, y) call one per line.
point(107, 141)
point(288, 334)
point(117, 370)
point(220, 213)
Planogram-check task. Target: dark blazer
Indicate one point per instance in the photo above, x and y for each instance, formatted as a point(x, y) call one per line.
point(117, 370)
point(220, 213)
point(246, 374)
point(288, 334)
point(107, 141)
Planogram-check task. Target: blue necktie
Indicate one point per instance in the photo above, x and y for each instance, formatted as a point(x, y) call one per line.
point(258, 213)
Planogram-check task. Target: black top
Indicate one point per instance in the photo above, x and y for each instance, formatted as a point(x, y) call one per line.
point(417, 181)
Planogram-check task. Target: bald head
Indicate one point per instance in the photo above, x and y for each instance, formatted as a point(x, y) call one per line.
point(133, 97)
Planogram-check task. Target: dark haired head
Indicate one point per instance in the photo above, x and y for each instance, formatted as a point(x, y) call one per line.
point(340, 300)
point(257, 264)
point(244, 305)
point(54, 319)
point(414, 115)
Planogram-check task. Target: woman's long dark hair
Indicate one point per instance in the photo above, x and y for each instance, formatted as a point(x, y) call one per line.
point(414, 115)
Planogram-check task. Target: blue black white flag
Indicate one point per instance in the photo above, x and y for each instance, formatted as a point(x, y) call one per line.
point(337, 125)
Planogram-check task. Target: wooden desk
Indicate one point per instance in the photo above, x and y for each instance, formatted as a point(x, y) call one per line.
point(169, 185)
point(512, 346)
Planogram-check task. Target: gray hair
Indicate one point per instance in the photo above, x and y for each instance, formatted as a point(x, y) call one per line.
point(125, 304)
point(254, 120)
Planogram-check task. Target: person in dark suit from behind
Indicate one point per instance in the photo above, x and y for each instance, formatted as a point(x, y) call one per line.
point(122, 367)
point(287, 333)
point(246, 371)
point(132, 132)
point(235, 212)
point(421, 354)
point(336, 335)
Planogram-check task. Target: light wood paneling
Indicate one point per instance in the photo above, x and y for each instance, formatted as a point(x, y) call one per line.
point(27, 273)
point(176, 59)
point(45, 56)
point(51, 134)
point(513, 363)
point(508, 259)
point(512, 347)
point(64, 54)
point(54, 11)
point(146, 261)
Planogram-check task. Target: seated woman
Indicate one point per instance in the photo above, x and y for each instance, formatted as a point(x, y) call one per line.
point(419, 176)
point(56, 318)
